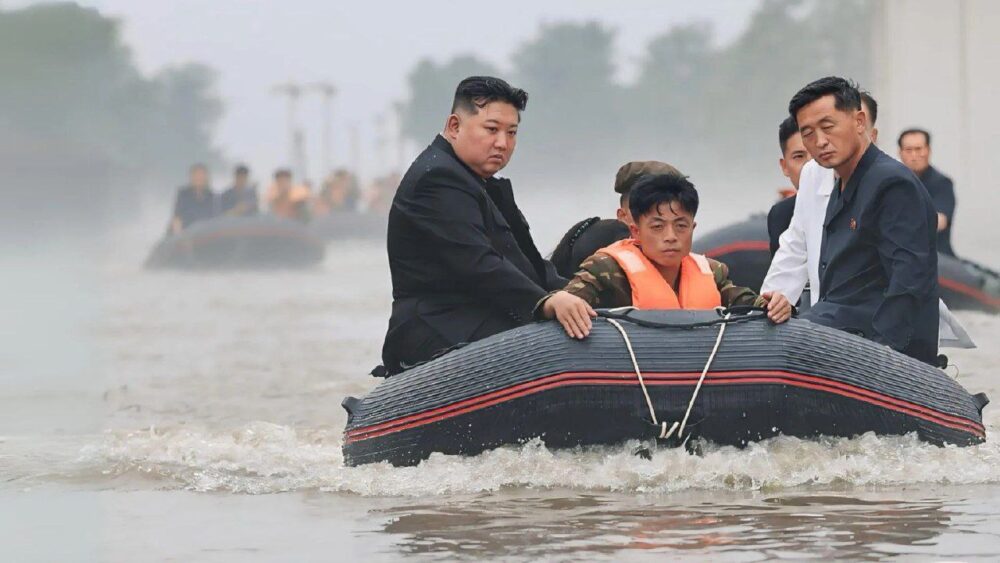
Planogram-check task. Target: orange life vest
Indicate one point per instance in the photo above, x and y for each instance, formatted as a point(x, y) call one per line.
point(651, 291)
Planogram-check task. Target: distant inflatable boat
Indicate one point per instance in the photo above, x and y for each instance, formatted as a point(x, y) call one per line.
point(257, 242)
point(796, 379)
point(744, 247)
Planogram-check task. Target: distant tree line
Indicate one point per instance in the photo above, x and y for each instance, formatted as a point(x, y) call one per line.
point(692, 103)
point(80, 126)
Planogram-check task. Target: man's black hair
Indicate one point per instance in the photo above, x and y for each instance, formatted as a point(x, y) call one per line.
point(911, 131)
point(871, 104)
point(476, 91)
point(242, 169)
point(655, 189)
point(282, 173)
point(787, 128)
point(845, 93)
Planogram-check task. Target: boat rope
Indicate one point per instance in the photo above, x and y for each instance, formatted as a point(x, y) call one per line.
point(678, 427)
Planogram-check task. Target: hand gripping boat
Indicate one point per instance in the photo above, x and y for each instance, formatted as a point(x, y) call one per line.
point(797, 379)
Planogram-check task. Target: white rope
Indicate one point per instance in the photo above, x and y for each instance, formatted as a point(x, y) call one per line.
point(665, 431)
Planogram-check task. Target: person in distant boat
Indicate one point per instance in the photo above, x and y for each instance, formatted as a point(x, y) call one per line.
point(462, 259)
point(241, 198)
point(878, 256)
point(655, 268)
point(590, 235)
point(339, 193)
point(195, 202)
point(915, 152)
point(287, 200)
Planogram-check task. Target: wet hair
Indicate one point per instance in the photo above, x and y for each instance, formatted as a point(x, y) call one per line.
point(242, 169)
point(656, 189)
point(583, 240)
point(475, 92)
point(282, 173)
point(787, 128)
point(870, 103)
point(911, 131)
point(845, 93)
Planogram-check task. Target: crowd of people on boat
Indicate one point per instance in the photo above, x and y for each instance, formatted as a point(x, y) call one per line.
point(862, 230)
point(339, 193)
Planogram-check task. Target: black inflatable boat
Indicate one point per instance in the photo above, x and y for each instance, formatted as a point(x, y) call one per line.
point(745, 249)
point(257, 242)
point(796, 379)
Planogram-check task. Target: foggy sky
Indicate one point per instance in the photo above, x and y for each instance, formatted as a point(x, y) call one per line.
point(365, 48)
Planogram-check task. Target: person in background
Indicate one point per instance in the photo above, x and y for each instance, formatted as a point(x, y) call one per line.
point(461, 256)
point(793, 157)
point(586, 237)
point(915, 152)
point(655, 268)
point(195, 202)
point(339, 193)
point(878, 258)
point(241, 198)
point(287, 200)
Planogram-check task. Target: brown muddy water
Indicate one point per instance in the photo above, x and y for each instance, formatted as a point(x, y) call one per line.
point(196, 417)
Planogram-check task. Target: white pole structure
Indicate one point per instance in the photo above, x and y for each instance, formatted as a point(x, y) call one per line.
point(296, 146)
point(327, 91)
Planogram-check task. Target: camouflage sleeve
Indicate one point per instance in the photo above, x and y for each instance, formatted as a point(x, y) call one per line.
point(733, 295)
point(600, 282)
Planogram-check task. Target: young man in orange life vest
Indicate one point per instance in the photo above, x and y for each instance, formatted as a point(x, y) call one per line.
point(654, 269)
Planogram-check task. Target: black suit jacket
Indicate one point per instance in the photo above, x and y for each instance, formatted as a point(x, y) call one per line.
point(778, 220)
point(878, 260)
point(461, 256)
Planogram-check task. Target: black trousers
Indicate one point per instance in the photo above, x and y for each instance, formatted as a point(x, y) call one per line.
point(420, 342)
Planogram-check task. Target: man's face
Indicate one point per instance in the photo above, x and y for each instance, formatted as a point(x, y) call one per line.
point(665, 234)
point(284, 183)
point(241, 179)
point(484, 141)
point(833, 137)
point(796, 156)
point(915, 152)
point(199, 177)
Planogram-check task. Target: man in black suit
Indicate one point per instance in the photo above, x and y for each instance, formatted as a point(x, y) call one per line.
point(793, 157)
point(461, 256)
point(878, 259)
point(915, 153)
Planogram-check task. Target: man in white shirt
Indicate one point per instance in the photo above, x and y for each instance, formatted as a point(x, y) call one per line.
point(795, 265)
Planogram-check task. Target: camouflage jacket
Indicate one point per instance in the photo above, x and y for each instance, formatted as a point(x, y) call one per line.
point(602, 283)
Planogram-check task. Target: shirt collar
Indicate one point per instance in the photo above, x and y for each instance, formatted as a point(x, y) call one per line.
point(441, 143)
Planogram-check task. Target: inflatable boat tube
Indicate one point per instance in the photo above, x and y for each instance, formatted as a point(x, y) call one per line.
point(797, 379)
point(258, 242)
point(744, 247)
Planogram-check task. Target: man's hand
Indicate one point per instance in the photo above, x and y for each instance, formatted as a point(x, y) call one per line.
point(942, 222)
point(779, 309)
point(573, 313)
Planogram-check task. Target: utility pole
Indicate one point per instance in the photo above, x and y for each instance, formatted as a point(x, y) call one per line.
point(327, 91)
point(296, 138)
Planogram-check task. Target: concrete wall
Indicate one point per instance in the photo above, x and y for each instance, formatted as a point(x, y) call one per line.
point(937, 66)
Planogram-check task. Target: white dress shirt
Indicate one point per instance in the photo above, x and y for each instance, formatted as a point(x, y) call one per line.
point(797, 258)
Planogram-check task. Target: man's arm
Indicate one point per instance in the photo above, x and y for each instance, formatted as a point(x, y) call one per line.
point(789, 270)
point(944, 202)
point(779, 309)
point(451, 219)
point(907, 254)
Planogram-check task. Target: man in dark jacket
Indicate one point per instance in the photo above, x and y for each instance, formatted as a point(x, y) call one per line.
point(915, 152)
point(462, 260)
point(240, 199)
point(195, 202)
point(878, 261)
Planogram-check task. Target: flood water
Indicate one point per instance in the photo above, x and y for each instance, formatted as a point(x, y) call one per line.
point(173, 416)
